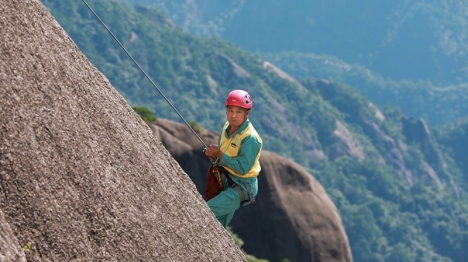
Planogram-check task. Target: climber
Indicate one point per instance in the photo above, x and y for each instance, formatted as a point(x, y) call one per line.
point(237, 158)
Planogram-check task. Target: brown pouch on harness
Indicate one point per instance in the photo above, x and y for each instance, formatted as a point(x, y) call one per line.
point(214, 185)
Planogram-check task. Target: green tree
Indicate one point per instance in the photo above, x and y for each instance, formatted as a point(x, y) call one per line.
point(145, 114)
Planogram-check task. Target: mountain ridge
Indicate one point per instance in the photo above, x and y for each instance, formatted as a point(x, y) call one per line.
point(397, 53)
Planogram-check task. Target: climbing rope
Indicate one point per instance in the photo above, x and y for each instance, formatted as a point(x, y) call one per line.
point(143, 71)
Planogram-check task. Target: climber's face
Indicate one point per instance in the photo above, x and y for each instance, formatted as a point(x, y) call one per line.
point(236, 115)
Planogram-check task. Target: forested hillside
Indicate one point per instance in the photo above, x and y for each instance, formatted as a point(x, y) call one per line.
point(401, 197)
point(408, 54)
point(453, 137)
point(419, 99)
point(398, 39)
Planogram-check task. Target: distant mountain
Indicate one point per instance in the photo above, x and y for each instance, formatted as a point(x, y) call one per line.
point(398, 39)
point(401, 196)
point(406, 54)
point(418, 99)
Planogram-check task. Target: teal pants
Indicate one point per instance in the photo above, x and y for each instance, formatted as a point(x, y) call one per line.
point(227, 202)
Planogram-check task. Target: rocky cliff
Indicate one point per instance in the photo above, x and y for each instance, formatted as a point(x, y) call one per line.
point(9, 247)
point(82, 177)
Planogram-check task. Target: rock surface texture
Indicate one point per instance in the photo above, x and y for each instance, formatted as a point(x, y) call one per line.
point(9, 248)
point(82, 177)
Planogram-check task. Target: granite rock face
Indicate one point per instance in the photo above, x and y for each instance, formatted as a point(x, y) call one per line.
point(9, 248)
point(82, 177)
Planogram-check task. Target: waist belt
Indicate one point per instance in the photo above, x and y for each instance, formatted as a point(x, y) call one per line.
point(234, 185)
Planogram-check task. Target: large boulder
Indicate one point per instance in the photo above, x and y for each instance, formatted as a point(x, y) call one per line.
point(294, 217)
point(82, 177)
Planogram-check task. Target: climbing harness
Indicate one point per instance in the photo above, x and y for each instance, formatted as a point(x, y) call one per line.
point(232, 184)
point(146, 75)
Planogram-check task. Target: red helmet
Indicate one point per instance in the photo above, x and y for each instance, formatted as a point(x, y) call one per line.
point(239, 98)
